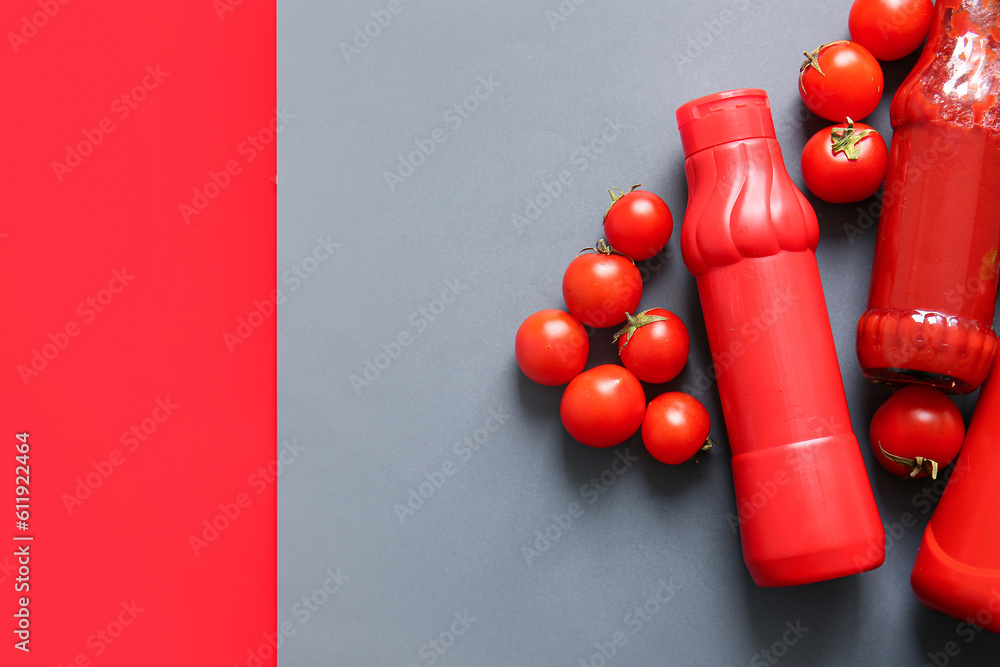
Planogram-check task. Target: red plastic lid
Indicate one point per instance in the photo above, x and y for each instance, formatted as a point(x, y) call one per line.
point(731, 115)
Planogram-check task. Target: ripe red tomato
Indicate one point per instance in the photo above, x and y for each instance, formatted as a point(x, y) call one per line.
point(675, 427)
point(841, 79)
point(654, 345)
point(638, 223)
point(844, 163)
point(917, 431)
point(603, 406)
point(551, 347)
point(890, 29)
point(599, 288)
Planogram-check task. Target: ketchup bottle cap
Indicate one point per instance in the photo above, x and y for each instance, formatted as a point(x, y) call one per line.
point(731, 115)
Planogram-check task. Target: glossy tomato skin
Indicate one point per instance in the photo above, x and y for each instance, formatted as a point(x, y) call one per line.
point(835, 178)
point(603, 406)
point(599, 289)
point(851, 83)
point(890, 29)
point(675, 427)
point(639, 224)
point(656, 352)
point(551, 347)
point(917, 421)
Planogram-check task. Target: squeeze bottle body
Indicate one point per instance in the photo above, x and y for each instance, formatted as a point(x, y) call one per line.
point(805, 507)
point(957, 570)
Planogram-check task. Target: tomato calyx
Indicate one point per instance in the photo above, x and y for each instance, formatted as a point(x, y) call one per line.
point(845, 140)
point(812, 60)
point(916, 465)
point(635, 322)
point(603, 248)
point(709, 441)
point(616, 197)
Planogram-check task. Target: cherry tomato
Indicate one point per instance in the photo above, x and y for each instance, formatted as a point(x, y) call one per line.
point(654, 345)
point(675, 427)
point(638, 223)
point(603, 406)
point(841, 79)
point(599, 288)
point(890, 29)
point(551, 347)
point(917, 431)
point(844, 163)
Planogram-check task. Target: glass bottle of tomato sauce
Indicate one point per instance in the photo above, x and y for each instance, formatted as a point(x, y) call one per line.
point(934, 280)
point(805, 508)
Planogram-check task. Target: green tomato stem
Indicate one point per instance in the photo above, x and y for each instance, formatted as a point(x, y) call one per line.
point(635, 322)
point(812, 60)
point(846, 141)
point(916, 465)
point(616, 197)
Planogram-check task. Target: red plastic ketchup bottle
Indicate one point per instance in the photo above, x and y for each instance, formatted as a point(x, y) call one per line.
point(805, 506)
point(958, 565)
point(934, 280)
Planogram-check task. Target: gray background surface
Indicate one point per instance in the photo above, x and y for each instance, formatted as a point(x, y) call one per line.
point(402, 580)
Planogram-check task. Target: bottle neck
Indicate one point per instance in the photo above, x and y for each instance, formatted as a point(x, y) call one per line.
point(957, 78)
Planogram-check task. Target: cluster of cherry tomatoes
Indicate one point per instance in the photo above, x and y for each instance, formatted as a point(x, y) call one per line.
point(914, 433)
point(842, 81)
point(918, 429)
point(606, 405)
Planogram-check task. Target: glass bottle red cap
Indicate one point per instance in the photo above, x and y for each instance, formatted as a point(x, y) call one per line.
point(732, 115)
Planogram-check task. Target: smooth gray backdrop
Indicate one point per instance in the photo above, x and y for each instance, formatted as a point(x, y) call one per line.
point(415, 284)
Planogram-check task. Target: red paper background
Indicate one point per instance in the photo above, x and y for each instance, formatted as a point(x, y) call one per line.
point(160, 337)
